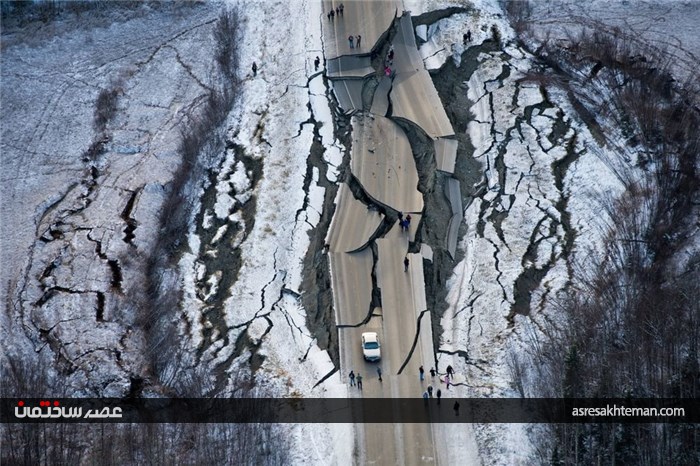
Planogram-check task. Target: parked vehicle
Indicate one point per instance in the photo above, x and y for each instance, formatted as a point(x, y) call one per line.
point(371, 349)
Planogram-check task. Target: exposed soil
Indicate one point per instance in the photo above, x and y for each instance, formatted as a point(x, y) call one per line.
point(449, 81)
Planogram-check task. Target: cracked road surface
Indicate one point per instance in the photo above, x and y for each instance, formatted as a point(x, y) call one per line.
point(367, 19)
point(373, 290)
point(383, 163)
point(413, 96)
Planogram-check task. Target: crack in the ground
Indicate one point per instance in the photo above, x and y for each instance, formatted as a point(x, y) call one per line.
point(272, 280)
point(188, 69)
point(359, 193)
point(260, 128)
point(434, 16)
point(531, 277)
point(376, 299)
point(465, 355)
point(50, 292)
point(218, 252)
point(325, 377)
point(131, 223)
point(415, 342)
point(496, 251)
point(166, 43)
point(113, 264)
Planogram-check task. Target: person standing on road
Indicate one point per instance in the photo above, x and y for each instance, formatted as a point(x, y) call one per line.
point(332, 13)
point(430, 391)
point(358, 39)
point(341, 8)
point(379, 373)
point(405, 269)
point(352, 378)
point(421, 373)
point(255, 69)
point(439, 395)
point(432, 372)
point(350, 39)
point(359, 381)
point(456, 408)
point(450, 371)
point(425, 397)
point(317, 63)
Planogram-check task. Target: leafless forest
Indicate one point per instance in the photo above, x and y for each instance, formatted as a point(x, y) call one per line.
point(631, 317)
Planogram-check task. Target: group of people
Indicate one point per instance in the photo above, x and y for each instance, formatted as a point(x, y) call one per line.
point(355, 41)
point(449, 375)
point(337, 12)
point(356, 380)
point(466, 37)
point(428, 393)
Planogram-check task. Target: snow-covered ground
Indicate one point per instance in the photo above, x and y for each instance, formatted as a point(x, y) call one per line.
point(65, 210)
point(274, 122)
point(156, 62)
point(671, 26)
point(540, 214)
point(65, 217)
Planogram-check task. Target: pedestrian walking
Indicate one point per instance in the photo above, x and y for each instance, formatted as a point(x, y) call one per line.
point(379, 373)
point(432, 372)
point(352, 378)
point(447, 382)
point(391, 54)
point(438, 394)
point(469, 36)
point(350, 39)
point(337, 11)
point(456, 408)
point(405, 269)
point(329, 16)
point(408, 221)
point(450, 371)
point(332, 15)
point(425, 397)
point(400, 215)
point(341, 8)
point(358, 39)
point(359, 381)
point(387, 71)
point(421, 373)
point(430, 391)
point(317, 63)
point(255, 69)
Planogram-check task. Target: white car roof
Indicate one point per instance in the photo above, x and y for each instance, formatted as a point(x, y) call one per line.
point(370, 336)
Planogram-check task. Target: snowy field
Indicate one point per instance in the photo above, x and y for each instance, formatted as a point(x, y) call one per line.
point(671, 26)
